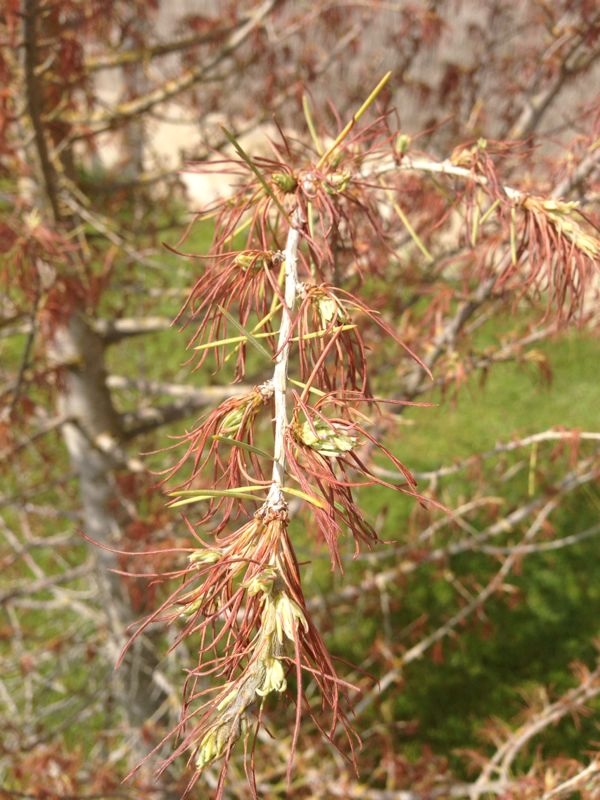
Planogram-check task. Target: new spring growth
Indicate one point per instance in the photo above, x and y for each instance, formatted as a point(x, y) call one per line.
point(329, 308)
point(402, 143)
point(329, 439)
point(285, 181)
point(257, 259)
point(204, 556)
point(567, 220)
point(338, 181)
point(281, 617)
point(244, 407)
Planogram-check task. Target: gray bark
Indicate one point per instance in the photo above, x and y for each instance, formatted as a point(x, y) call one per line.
point(85, 401)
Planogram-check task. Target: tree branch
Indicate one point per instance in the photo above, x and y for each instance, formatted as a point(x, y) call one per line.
point(35, 106)
point(101, 120)
point(146, 420)
point(275, 499)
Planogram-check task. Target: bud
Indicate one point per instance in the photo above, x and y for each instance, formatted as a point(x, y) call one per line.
point(256, 259)
point(308, 183)
point(403, 142)
point(288, 615)
point(231, 422)
point(338, 181)
point(245, 260)
point(217, 740)
point(192, 606)
point(208, 750)
point(567, 220)
point(285, 181)
point(274, 677)
point(330, 309)
point(204, 557)
point(329, 439)
point(261, 583)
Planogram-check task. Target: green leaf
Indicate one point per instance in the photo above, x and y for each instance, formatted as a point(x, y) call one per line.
point(198, 495)
point(233, 340)
point(314, 501)
point(312, 389)
point(242, 446)
point(250, 337)
point(247, 160)
point(324, 332)
point(217, 492)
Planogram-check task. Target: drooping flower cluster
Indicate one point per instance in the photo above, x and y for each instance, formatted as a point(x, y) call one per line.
point(298, 434)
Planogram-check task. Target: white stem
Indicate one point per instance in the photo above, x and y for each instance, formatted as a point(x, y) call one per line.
point(275, 499)
point(416, 164)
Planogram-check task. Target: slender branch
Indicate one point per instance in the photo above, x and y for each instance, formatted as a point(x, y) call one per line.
point(101, 120)
point(115, 330)
point(50, 425)
point(145, 420)
point(105, 227)
point(203, 396)
point(27, 588)
point(35, 105)
point(585, 168)
point(127, 57)
point(275, 499)
point(565, 789)
point(504, 757)
point(447, 167)
point(494, 585)
point(502, 447)
point(537, 105)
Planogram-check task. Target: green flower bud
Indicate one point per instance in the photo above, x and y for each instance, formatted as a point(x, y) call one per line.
point(274, 678)
point(288, 615)
point(284, 181)
point(261, 583)
point(329, 440)
point(204, 557)
point(244, 260)
point(402, 143)
point(330, 309)
point(208, 750)
point(255, 259)
point(232, 421)
point(338, 181)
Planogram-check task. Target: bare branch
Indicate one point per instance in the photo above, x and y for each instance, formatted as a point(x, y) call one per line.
point(105, 120)
point(134, 56)
point(145, 420)
point(115, 330)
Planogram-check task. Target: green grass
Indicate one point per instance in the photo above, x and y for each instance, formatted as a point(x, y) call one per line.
point(498, 659)
point(513, 400)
